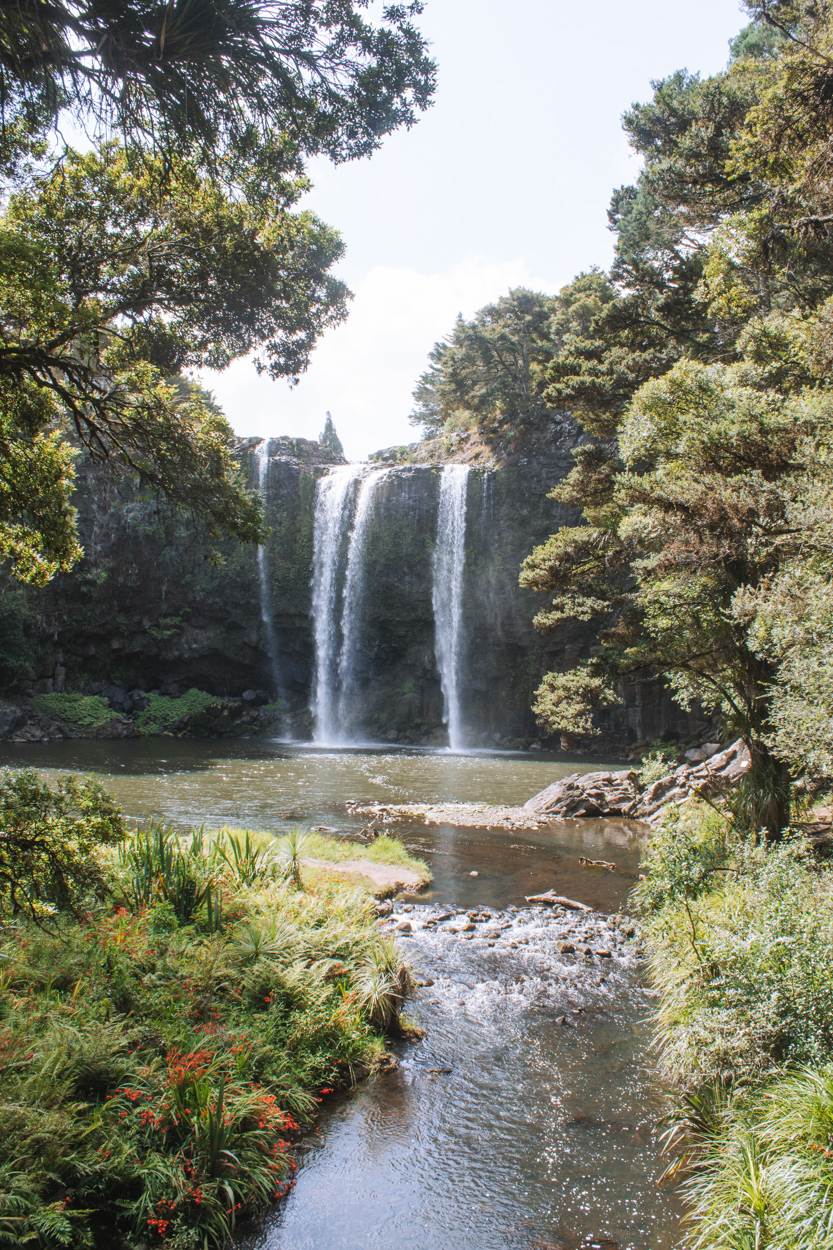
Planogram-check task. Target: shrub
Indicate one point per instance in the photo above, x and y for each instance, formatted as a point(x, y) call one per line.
point(160, 867)
point(764, 1172)
point(51, 842)
point(78, 711)
point(657, 762)
point(164, 715)
point(740, 937)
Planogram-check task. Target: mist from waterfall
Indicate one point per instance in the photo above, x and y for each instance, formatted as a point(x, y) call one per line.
point(334, 499)
point(447, 595)
point(262, 460)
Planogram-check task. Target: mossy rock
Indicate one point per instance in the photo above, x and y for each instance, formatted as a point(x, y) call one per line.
point(82, 712)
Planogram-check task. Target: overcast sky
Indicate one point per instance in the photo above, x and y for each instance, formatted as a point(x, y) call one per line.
point(504, 182)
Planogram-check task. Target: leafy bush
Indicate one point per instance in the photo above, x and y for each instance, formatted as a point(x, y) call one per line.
point(51, 843)
point(161, 868)
point(163, 715)
point(740, 935)
point(657, 762)
point(764, 1171)
point(79, 711)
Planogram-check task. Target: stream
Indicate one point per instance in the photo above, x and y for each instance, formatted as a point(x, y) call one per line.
point(525, 1118)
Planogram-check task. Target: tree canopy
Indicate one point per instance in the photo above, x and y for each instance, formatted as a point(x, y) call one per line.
point(174, 240)
point(701, 371)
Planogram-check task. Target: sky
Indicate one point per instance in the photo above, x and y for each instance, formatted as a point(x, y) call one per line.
point(504, 182)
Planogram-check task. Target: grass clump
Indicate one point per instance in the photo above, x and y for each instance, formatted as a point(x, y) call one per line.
point(160, 1048)
point(740, 939)
point(165, 715)
point(293, 848)
point(84, 712)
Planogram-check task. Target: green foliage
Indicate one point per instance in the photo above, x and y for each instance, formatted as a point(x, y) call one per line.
point(292, 852)
point(564, 702)
point(81, 711)
point(657, 762)
point(165, 714)
point(160, 868)
point(490, 370)
point(329, 439)
point(122, 268)
point(157, 1066)
point(51, 844)
point(225, 80)
point(739, 935)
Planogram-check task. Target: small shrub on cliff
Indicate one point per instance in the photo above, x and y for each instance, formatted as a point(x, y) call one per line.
point(657, 762)
point(165, 715)
point(51, 843)
point(77, 711)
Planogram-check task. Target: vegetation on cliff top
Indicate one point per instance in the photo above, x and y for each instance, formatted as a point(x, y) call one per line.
point(167, 1036)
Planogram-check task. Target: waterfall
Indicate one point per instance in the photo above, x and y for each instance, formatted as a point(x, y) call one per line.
point(447, 594)
point(354, 593)
point(262, 458)
point(333, 505)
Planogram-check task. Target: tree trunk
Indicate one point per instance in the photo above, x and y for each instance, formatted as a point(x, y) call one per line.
point(763, 800)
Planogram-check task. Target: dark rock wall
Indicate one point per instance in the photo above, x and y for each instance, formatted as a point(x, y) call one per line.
point(155, 605)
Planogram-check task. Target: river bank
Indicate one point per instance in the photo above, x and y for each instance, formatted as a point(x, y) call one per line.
point(166, 1041)
point(563, 1114)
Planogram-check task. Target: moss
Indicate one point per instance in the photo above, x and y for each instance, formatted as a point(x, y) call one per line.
point(80, 711)
point(163, 714)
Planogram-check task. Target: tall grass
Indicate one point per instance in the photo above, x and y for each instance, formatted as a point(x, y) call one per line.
point(740, 941)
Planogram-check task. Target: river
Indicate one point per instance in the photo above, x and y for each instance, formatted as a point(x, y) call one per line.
point(525, 1118)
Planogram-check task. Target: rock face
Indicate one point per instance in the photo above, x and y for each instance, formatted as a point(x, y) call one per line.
point(620, 793)
point(156, 605)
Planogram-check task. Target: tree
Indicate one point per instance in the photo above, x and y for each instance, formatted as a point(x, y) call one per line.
point(51, 841)
point(329, 439)
point(694, 525)
point(125, 267)
point(490, 370)
point(224, 78)
point(114, 280)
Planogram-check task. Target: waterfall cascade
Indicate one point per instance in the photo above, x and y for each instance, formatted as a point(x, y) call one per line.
point(334, 499)
point(262, 459)
point(354, 596)
point(447, 595)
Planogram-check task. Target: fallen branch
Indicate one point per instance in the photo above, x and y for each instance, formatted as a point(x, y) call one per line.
point(557, 900)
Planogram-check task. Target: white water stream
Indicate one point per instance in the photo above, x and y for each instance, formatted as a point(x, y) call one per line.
point(447, 596)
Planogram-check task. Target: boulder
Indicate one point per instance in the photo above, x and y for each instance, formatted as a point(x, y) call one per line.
point(619, 793)
point(714, 776)
point(587, 794)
